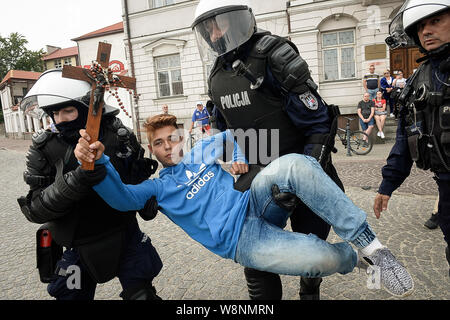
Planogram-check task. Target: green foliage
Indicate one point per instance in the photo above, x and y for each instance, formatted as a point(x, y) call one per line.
point(15, 56)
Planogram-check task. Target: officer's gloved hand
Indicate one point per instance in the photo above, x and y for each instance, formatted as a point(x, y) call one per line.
point(87, 177)
point(150, 209)
point(285, 200)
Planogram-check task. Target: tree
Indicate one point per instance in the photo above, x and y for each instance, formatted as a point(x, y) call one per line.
point(14, 55)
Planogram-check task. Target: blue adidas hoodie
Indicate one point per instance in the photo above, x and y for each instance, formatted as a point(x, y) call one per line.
point(196, 194)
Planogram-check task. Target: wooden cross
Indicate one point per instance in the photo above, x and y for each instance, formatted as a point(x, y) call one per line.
point(99, 81)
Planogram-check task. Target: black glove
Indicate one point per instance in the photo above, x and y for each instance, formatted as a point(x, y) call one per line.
point(286, 200)
point(87, 177)
point(150, 209)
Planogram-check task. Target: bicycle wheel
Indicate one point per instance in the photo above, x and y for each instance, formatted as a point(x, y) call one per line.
point(358, 144)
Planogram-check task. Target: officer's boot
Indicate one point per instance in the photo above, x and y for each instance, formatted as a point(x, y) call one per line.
point(432, 223)
point(310, 288)
point(263, 285)
point(140, 292)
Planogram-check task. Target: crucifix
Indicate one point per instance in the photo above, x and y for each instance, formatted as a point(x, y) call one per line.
point(101, 78)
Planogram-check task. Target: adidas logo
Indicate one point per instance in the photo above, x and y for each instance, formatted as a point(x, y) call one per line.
point(197, 181)
point(199, 184)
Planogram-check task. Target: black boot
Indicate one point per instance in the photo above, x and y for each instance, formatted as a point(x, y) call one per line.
point(310, 288)
point(432, 223)
point(145, 291)
point(263, 285)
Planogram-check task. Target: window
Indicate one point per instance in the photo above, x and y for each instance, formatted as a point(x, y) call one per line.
point(160, 3)
point(58, 64)
point(339, 55)
point(168, 73)
point(68, 61)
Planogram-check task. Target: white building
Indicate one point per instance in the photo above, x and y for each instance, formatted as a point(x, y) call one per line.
point(338, 38)
point(13, 88)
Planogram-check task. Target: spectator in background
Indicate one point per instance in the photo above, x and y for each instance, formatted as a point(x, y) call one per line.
point(399, 81)
point(386, 85)
point(371, 82)
point(380, 113)
point(202, 115)
point(366, 111)
point(165, 109)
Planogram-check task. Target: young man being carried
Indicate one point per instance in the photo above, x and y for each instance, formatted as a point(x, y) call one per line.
point(198, 195)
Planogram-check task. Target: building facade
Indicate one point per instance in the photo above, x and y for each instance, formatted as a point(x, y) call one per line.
point(57, 57)
point(339, 39)
point(13, 88)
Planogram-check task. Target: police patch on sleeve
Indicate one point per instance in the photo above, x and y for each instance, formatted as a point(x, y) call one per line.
point(309, 100)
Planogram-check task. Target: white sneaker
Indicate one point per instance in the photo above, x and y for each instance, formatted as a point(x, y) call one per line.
point(394, 277)
point(382, 135)
point(378, 134)
point(391, 115)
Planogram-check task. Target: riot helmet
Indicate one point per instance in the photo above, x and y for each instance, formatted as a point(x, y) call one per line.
point(51, 93)
point(404, 24)
point(221, 26)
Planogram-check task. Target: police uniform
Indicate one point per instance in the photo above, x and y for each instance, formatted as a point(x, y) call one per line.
point(285, 104)
point(423, 133)
point(102, 242)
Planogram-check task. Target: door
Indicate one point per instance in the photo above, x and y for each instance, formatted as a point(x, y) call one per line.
point(404, 59)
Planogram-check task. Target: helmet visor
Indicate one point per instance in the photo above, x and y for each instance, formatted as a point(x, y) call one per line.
point(219, 34)
point(397, 36)
point(36, 105)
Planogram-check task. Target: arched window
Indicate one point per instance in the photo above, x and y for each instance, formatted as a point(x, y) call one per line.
point(338, 45)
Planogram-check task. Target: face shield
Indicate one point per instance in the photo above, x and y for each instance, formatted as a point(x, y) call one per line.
point(397, 36)
point(403, 27)
point(221, 31)
point(52, 92)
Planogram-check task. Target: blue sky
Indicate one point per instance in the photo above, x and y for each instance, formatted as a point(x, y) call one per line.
point(55, 22)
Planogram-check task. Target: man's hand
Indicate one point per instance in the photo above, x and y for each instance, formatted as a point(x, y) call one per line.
point(85, 151)
point(380, 204)
point(238, 168)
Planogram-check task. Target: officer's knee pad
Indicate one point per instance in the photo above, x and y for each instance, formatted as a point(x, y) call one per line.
point(144, 291)
point(263, 285)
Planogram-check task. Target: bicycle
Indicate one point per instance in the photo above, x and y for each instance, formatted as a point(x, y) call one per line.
point(356, 141)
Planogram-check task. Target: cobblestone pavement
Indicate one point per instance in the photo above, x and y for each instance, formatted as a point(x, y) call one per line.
point(191, 272)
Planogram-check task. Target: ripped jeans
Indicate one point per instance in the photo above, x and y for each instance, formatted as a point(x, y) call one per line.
point(265, 246)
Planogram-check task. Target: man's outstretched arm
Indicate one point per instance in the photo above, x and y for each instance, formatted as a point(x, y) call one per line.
point(120, 196)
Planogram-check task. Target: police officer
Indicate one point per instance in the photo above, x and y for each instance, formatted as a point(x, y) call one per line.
point(101, 243)
point(262, 88)
point(423, 133)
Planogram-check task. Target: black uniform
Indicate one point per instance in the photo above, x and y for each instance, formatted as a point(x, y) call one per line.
point(284, 104)
point(103, 242)
point(423, 133)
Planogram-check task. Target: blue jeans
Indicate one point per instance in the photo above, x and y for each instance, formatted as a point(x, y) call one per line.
point(265, 246)
point(365, 126)
point(373, 93)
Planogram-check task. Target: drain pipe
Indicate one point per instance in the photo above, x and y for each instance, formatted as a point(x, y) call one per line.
point(288, 18)
point(130, 54)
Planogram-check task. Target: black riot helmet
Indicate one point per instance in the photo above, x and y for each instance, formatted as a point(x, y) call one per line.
point(221, 26)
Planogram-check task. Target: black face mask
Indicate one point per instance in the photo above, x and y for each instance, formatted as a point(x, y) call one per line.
point(69, 130)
